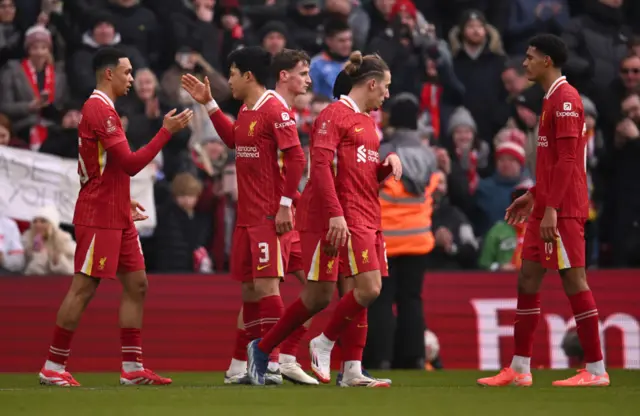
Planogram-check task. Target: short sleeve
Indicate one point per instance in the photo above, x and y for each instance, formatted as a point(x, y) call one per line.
point(326, 132)
point(284, 129)
point(107, 126)
point(568, 118)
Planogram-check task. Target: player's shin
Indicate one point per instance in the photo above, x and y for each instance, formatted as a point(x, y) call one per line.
point(526, 321)
point(586, 316)
point(239, 359)
point(289, 348)
point(352, 342)
point(75, 302)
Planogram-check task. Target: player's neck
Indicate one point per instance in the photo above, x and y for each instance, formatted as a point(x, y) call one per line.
point(549, 79)
point(107, 90)
point(359, 97)
point(253, 96)
point(288, 96)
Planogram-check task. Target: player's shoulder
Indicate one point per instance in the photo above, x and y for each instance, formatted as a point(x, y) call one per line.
point(97, 105)
point(567, 93)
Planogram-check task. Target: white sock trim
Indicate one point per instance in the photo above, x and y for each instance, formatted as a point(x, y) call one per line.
point(521, 364)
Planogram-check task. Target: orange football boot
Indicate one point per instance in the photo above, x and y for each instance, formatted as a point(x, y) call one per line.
point(584, 379)
point(507, 377)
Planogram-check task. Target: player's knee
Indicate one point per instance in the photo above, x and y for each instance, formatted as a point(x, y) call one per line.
point(316, 296)
point(530, 277)
point(574, 280)
point(267, 287)
point(83, 288)
point(139, 288)
point(249, 292)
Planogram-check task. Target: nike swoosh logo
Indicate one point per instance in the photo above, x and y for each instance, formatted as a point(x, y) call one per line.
point(547, 258)
point(359, 130)
point(236, 127)
point(263, 267)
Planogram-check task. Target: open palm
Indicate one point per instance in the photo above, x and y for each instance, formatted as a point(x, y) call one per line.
point(200, 91)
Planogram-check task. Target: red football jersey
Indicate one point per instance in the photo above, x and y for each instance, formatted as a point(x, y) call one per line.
point(104, 198)
point(353, 137)
point(260, 135)
point(562, 118)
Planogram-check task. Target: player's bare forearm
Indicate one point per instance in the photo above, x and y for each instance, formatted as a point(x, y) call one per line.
point(562, 171)
point(323, 178)
point(133, 162)
point(224, 127)
point(294, 165)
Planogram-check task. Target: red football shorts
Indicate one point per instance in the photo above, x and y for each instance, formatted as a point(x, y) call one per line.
point(568, 251)
point(102, 252)
point(364, 252)
point(294, 259)
point(258, 252)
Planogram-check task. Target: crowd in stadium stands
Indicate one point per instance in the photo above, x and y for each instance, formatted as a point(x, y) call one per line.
point(458, 80)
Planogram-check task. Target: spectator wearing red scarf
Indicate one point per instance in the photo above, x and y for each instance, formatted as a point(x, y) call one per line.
point(33, 90)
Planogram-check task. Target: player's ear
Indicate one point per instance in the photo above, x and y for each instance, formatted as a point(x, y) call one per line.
point(284, 75)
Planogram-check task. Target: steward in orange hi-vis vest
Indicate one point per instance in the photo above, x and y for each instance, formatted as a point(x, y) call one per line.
point(407, 204)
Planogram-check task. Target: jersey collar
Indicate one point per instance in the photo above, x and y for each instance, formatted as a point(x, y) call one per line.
point(104, 97)
point(265, 97)
point(555, 85)
point(346, 100)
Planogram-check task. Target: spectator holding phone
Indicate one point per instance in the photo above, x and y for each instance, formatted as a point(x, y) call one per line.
point(48, 249)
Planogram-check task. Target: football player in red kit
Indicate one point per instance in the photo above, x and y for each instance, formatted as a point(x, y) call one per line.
point(291, 69)
point(558, 206)
point(107, 240)
point(339, 218)
point(269, 166)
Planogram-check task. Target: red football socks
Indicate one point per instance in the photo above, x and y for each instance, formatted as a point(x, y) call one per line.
point(586, 316)
point(251, 319)
point(60, 346)
point(290, 345)
point(527, 317)
point(131, 345)
point(343, 315)
point(295, 315)
point(240, 348)
point(271, 310)
point(354, 338)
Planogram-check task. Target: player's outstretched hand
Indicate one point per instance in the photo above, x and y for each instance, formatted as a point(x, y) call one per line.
point(338, 232)
point(174, 123)
point(396, 165)
point(284, 220)
point(137, 211)
point(519, 210)
point(200, 91)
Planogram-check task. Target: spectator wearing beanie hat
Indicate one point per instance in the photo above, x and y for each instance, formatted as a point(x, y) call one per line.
point(526, 110)
point(33, 90)
point(494, 193)
point(468, 153)
point(274, 36)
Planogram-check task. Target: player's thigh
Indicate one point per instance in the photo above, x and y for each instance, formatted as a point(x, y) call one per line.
point(97, 251)
point(531, 246)
point(318, 266)
point(131, 257)
point(360, 254)
point(568, 250)
point(267, 251)
point(241, 262)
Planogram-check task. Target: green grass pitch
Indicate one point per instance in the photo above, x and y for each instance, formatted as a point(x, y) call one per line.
point(413, 393)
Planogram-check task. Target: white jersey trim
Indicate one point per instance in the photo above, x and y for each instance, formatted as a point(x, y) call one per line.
point(557, 83)
point(102, 96)
point(348, 101)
